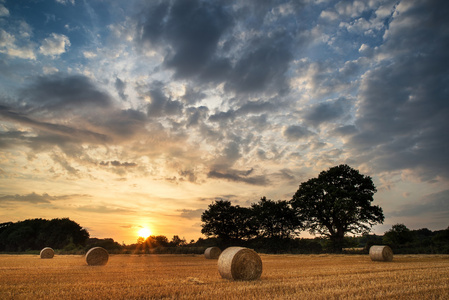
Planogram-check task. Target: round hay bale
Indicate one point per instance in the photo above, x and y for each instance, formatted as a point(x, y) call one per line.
point(97, 256)
point(381, 253)
point(239, 263)
point(212, 253)
point(47, 252)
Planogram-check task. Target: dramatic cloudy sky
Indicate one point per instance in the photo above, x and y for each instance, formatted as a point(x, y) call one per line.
point(121, 114)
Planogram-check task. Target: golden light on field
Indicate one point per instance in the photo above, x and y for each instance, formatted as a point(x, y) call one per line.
point(144, 232)
point(193, 277)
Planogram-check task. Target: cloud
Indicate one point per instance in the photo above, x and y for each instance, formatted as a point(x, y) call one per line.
point(54, 45)
point(120, 87)
point(263, 66)
point(65, 164)
point(239, 176)
point(345, 130)
point(160, 104)
point(38, 199)
point(65, 2)
point(296, 132)
point(61, 132)
point(328, 111)
point(4, 12)
point(191, 213)
point(435, 204)
point(123, 124)
point(191, 29)
point(8, 45)
point(63, 94)
point(403, 111)
point(116, 163)
point(105, 209)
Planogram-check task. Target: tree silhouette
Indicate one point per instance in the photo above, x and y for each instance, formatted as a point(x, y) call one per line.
point(275, 218)
point(35, 234)
point(227, 222)
point(337, 202)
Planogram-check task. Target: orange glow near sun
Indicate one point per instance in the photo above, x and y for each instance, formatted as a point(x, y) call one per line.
point(144, 232)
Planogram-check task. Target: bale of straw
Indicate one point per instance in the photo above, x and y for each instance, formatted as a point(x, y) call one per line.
point(381, 253)
point(97, 256)
point(239, 263)
point(212, 253)
point(47, 252)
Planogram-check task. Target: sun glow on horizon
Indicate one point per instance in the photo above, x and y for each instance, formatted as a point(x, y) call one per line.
point(144, 232)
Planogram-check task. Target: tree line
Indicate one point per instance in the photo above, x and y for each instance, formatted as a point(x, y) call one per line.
point(336, 203)
point(401, 239)
point(35, 234)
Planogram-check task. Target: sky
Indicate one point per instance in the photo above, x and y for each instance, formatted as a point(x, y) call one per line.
point(128, 114)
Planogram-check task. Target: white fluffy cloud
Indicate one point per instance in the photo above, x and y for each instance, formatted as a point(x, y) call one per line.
point(4, 12)
point(54, 45)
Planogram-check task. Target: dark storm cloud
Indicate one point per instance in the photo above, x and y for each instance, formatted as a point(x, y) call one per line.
point(328, 111)
point(257, 107)
point(345, 130)
point(263, 66)
point(162, 105)
point(192, 30)
point(296, 132)
point(60, 93)
point(239, 176)
point(193, 96)
point(122, 123)
point(436, 204)
point(69, 133)
point(120, 88)
point(196, 115)
point(222, 116)
point(251, 107)
point(403, 113)
point(202, 41)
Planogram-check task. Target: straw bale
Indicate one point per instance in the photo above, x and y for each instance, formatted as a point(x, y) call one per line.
point(47, 252)
point(239, 263)
point(97, 256)
point(212, 253)
point(381, 253)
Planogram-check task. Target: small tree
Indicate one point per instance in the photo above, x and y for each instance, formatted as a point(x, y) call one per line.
point(176, 241)
point(397, 236)
point(337, 202)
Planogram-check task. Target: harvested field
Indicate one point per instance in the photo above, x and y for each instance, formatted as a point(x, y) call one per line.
point(194, 277)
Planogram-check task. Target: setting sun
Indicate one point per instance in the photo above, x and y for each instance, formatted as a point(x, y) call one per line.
point(144, 232)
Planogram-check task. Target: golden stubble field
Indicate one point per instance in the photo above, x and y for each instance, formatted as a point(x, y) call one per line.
point(194, 277)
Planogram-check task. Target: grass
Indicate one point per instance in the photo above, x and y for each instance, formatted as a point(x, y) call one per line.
point(194, 277)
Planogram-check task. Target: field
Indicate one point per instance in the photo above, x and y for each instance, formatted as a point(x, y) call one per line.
point(194, 277)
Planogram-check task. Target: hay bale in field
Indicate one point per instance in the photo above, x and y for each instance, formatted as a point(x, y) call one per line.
point(47, 252)
point(212, 253)
point(239, 263)
point(381, 253)
point(97, 256)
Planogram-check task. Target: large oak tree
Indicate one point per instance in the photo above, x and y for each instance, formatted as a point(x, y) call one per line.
point(337, 202)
